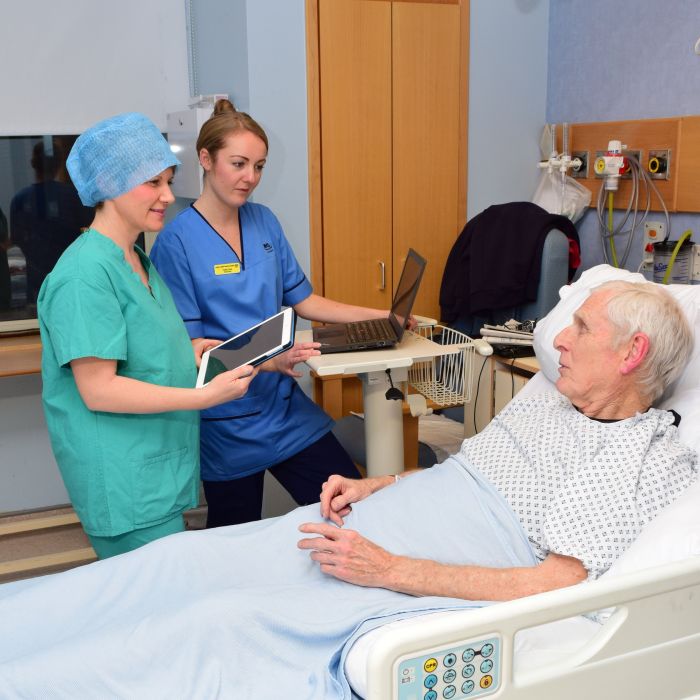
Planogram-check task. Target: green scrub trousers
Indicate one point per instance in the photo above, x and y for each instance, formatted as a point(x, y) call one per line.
point(111, 546)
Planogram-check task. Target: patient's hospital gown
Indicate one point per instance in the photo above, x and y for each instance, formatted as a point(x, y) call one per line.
point(582, 487)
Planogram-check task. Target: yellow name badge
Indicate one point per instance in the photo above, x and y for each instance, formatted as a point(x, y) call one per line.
point(227, 269)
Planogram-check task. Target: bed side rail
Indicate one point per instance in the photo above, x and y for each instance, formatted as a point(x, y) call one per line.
point(648, 648)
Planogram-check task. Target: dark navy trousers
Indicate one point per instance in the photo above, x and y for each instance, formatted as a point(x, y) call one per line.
point(240, 500)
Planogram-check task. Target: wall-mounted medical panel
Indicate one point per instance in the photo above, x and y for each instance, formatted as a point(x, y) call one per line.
point(668, 149)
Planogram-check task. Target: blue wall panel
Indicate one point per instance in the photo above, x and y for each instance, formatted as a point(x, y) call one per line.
point(619, 60)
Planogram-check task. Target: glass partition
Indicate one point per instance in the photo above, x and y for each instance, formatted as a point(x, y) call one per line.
point(40, 216)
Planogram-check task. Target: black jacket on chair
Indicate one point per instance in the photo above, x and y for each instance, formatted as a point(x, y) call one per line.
point(495, 261)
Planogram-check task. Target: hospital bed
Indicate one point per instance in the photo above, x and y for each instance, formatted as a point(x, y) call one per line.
point(168, 617)
point(633, 633)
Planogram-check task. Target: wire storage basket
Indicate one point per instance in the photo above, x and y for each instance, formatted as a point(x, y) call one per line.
point(444, 379)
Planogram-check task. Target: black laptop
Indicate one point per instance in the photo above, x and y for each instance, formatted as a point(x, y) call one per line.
point(380, 332)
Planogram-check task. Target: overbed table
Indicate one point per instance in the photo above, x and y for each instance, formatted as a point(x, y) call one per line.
point(383, 422)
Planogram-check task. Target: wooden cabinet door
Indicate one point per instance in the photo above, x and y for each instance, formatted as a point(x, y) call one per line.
point(389, 84)
point(428, 147)
point(356, 145)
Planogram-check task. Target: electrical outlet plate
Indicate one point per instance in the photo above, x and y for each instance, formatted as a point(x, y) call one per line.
point(654, 231)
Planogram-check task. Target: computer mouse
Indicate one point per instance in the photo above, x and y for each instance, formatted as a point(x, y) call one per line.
point(482, 347)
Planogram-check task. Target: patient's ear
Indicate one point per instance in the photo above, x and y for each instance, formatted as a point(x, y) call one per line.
point(637, 349)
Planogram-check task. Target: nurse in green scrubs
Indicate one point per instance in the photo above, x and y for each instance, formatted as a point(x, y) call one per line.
point(118, 366)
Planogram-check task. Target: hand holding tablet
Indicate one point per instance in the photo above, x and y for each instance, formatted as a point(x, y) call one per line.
point(227, 386)
point(251, 347)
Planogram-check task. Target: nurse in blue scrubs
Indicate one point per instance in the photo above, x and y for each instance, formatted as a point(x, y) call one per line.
point(118, 366)
point(229, 266)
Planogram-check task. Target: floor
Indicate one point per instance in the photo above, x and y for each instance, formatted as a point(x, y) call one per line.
point(32, 544)
point(50, 549)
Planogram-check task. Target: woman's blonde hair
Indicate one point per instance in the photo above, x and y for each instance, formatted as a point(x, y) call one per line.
point(226, 120)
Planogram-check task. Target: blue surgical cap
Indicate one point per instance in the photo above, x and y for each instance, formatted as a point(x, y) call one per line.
point(117, 154)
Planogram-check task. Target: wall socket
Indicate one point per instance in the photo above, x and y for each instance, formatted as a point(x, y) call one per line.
point(654, 231)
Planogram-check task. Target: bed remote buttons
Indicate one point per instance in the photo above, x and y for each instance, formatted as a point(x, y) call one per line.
point(469, 670)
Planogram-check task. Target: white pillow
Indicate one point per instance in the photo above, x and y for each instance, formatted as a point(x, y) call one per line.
point(675, 533)
point(672, 536)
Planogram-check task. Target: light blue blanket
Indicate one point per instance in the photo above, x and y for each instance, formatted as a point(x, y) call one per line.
point(241, 612)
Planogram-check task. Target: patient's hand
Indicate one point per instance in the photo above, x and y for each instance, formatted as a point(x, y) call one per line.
point(348, 556)
point(339, 492)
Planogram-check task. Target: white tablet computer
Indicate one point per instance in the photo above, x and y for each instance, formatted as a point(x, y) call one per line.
point(251, 347)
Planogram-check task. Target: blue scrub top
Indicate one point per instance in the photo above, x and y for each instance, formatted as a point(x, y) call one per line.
point(123, 471)
point(219, 295)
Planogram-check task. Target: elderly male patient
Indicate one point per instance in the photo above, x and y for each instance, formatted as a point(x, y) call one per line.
point(549, 494)
point(584, 469)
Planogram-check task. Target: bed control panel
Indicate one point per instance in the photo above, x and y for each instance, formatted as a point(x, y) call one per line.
point(470, 670)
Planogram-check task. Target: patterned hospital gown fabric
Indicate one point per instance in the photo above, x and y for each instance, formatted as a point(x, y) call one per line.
point(580, 487)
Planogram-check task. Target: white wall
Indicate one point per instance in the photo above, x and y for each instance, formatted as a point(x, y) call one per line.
point(507, 99)
point(68, 64)
point(29, 477)
point(277, 94)
point(255, 51)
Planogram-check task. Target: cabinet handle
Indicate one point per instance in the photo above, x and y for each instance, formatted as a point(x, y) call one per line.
point(382, 284)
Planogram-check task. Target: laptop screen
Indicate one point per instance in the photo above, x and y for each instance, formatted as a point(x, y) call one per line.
point(406, 291)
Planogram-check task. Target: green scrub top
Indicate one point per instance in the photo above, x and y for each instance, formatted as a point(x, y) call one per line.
point(122, 471)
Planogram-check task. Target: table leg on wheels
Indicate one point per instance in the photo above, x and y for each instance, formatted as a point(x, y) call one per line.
point(383, 424)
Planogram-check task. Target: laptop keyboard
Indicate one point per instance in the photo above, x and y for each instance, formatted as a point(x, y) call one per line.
point(377, 329)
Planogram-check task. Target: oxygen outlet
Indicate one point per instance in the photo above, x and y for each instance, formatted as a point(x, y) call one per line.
point(611, 164)
point(659, 163)
point(579, 164)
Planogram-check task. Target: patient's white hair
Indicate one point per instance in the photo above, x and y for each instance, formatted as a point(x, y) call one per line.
point(648, 308)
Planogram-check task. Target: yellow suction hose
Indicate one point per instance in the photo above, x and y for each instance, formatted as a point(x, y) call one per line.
point(681, 240)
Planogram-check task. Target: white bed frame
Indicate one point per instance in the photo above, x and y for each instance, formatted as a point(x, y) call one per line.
point(648, 648)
